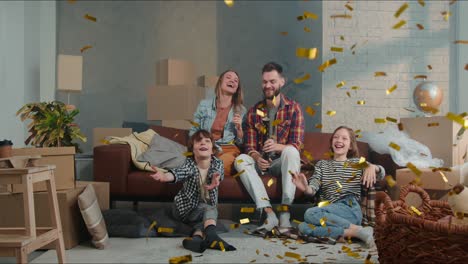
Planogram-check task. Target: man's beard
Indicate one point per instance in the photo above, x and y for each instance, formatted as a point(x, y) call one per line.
point(276, 93)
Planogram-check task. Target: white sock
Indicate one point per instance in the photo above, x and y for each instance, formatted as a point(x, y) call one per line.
point(270, 222)
point(366, 234)
point(284, 219)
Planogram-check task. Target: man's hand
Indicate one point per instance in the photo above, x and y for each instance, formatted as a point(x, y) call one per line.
point(262, 163)
point(271, 146)
point(369, 176)
point(214, 182)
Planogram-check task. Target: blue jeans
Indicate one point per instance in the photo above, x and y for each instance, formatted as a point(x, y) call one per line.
point(339, 216)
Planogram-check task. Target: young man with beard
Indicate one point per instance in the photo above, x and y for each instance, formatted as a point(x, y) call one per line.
point(274, 136)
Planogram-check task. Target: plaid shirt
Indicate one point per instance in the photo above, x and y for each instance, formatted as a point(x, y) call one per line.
point(188, 197)
point(289, 131)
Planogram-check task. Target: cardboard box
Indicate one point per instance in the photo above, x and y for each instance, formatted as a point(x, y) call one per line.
point(207, 81)
point(431, 181)
point(100, 133)
point(62, 157)
point(439, 139)
point(173, 102)
point(180, 124)
point(73, 226)
point(175, 72)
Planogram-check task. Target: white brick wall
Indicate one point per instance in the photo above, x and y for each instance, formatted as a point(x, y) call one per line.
point(401, 53)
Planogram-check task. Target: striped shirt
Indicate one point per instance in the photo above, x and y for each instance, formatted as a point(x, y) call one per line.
point(289, 130)
point(332, 180)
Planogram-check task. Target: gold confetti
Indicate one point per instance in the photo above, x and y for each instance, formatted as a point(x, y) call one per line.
point(415, 210)
point(420, 27)
point(420, 77)
point(331, 113)
point(421, 2)
point(399, 24)
point(345, 248)
point(316, 103)
point(401, 10)
point(377, 74)
point(355, 88)
point(345, 16)
point(238, 174)
point(229, 3)
point(292, 255)
point(244, 221)
point(221, 245)
point(309, 53)
point(239, 161)
point(413, 169)
point(391, 89)
point(300, 18)
point(341, 84)
point(85, 48)
point(165, 230)
point(361, 102)
point(319, 126)
point(213, 244)
point(409, 109)
point(457, 119)
point(336, 49)
point(261, 128)
point(390, 119)
point(310, 15)
point(433, 124)
point(350, 8)
point(195, 124)
point(443, 177)
point(309, 110)
point(342, 38)
point(284, 33)
point(323, 221)
point(441, 169)
point(270, 182)
point(257, 251)
point(264, 199)
point(296, 221)
point(311, 226)
point(266, 255)
point(323, 203)
point(234, 226)
point(302, 79)
point(394, 146)
point(429, 67)
point(348, 94)
point(446, 15)
point(283, 208)
point(380, 121)
point(260, 113)
point(279, 256)
point(328, 154)
point(247, 210)
point(308, 155)
point(306, 29)
point(105, 142)
point(253, 260)
point(91, 18)
point(276, 122)
point(327, 64)
point(149, 229)
point(400, 126)
point(188, 154)
point(181, 259)
point(461, 42)
point(354, 175)
point(353, 46)
point(339, 184)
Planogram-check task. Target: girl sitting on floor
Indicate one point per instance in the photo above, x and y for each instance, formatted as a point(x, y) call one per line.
point(338, 181)
point(196, 203)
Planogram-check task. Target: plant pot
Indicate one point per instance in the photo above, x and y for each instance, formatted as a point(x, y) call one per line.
point(5, 151)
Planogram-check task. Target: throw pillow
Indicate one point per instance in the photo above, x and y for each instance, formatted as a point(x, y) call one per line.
point(92, 217)
point(164, 153)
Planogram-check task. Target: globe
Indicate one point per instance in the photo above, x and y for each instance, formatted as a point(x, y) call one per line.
point(427, 97)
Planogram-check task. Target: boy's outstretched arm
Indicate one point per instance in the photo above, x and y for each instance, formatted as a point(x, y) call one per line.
point(161, 176)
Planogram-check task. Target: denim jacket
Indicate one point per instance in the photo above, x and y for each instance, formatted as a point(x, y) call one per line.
point(205, 116)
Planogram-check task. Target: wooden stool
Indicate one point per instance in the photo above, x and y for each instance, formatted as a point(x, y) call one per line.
point(20, 242)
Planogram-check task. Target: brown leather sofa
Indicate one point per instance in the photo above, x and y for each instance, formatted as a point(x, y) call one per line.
point(112, 163)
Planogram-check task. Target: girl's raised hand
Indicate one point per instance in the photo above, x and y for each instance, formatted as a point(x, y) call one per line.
point(369, 176)
point(214, 182)
point(300, 180)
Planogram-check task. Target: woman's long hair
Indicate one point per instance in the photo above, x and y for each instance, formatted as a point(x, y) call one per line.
point(237, 98)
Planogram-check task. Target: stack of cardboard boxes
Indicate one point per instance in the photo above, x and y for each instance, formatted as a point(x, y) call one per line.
point(68, 190)
point(176, 95)
point(439, 134)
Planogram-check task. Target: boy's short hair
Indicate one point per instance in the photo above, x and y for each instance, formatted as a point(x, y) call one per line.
point(197, 136)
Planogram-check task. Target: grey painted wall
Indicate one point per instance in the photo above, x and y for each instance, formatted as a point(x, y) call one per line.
point(128, 38)
point(249, 36)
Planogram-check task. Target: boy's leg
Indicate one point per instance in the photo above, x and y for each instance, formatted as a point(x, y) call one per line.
point(212, 240)
point(196, 242)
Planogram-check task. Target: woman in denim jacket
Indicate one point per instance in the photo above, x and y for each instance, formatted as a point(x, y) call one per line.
point(222, 116)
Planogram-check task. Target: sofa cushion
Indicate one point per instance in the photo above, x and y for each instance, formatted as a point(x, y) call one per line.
point(164, 153)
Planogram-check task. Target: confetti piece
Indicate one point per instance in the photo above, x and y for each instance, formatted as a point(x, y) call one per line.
point(308, 155)
point(446, 15)
point(390, 181)
point(361, 102)
point(247, 210)
point(319, 126)
point(354, 175)
point(244, 221)
point(378, 74)
point(279, 256)
point(257, 251)
point(276, 122)
point(409, 109)
point(221, 245)
point(311, 226)
point(239, 161)
point(327, 64)
point(420, 27)
point(443, 177)
point(433, 124)
point(89, 17)
point(165, 230)
point(328, 154)
point(188, 154)
point(341, 84)
point(391, 89)
point(461, 42)
point(292, 255)
point(85, 48)
point(270, 182)
point(195, 124)
point(105, 142)
point(306, 29)
point(339, 184)
point(457, 119)
point(238, 174)
point(380, 121)
point(266, 255)
point(310, 15)
point(400, 126)
point(323, 221)
point(260, 113)
point(353, 46)
point(345, 16)
point(309, 53)
point(348, 94)
point(234, 226)
point(181, 259)
point(401, 10)
point(399, 24)
point(429, 67)
point(394, 146)
point(421, 2)
point(264, 199)
point(350, 8)
point(336, 49)
point(331, 113)
point(261, 128)
point(296, 221)
point(309, 110)
point(355, 88)
point(229, 3)
point(390, 119)
point(316, 103)
point(300, 18)
point(420, 77)
point(413, 169)
point(283, 208)
point(213, 244)
point(284, 33)
point(323, 203)
point(149, 229)
point(415, 210)
point(302, 79)
point(441, 169)
point(342, 38)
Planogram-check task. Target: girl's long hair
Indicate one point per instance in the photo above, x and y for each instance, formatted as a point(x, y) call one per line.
point(353, 151)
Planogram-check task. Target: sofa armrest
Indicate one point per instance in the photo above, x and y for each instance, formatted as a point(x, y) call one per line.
point(112, 163)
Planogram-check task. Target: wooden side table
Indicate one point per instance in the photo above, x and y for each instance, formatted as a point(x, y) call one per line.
point(20, 242)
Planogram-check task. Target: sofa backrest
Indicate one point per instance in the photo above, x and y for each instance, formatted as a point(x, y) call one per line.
point(178, 135)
